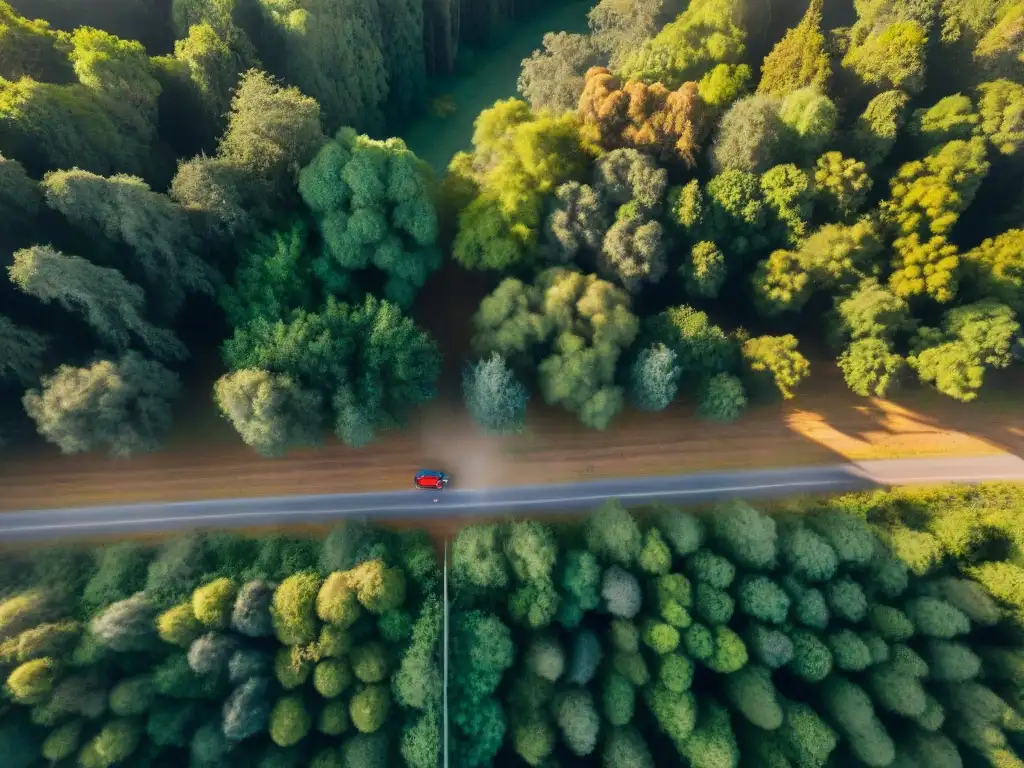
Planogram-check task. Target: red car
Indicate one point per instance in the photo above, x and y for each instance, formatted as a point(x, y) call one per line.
point(430, 480)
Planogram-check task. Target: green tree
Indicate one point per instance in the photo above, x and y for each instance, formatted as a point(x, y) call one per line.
point(707, 33)
point(584, 321)
point(112, 745)
point(890, 57)
point(494, 396)
point(869, 312)
point(875, 130)
point(996, 269)
point(705, 270)
point(578, 720)
point(157, 231)
point(870, 367)
point(369, 707)
point(124, 405)
point(289, 721)
point(851, 712)
point(272, 132)
point(273, 278)
point(621, 593)
point(722, 398)
point(251, 613)
point(626, 748)
point(293, 609)
point(551, 78)
point(112, 306)
point(751, 692)
point(799, 59)
point(334, 52)
point(653, 378)
point(999, 105)
point(841, 184)
point(31, 49)
point(270, 412)
point(368, 360)
point(612, 534)
point(811, 119)
point(774, 360)
point(127, 625)
point(518, 159)
point(373, 204)
point(478, 559)
point(750, 136)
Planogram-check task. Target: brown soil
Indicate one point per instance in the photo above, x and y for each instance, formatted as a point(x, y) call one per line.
point(824, 424)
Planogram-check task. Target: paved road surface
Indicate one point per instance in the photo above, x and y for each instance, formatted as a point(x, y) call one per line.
point(138, 518)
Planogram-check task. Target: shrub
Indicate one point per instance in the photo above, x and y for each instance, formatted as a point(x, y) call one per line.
point(132, 696)
point(333, 718)
point(891, 623)
point(752, 694)
point(618, 697)
point(952, 662)
point(624, 636)
point(289, 721)
point(612, 534)
point(660, 637)
point(331, 677)
point(846, 599)
point(212, 604)
point(292, 609)
point(290, 668)
point(747, 536)
point(851, 711)
point(936, 618)
point(684, 533)
point(807, 555)
point(848, 651)
point(626, 748)
point(714, 570)
point(32, 682)
point(578, 720)
point(812, 660)
point(675, 672)
point(336, 602)
point(586, 657)
point(368, 709)
point(699, 642)
point(763, 599)
point(545, 658)
point(370, 662)
point(713, 605)
point(771, 647)
point(179, 626)
point(621, 593)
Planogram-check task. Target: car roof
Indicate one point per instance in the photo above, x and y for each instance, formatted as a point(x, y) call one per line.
point(429, 473)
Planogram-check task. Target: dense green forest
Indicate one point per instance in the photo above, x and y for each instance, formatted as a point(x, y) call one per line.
point(687, 199)
point(877, 629)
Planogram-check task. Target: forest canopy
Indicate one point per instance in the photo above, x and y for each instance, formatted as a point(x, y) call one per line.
point(707, 201)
